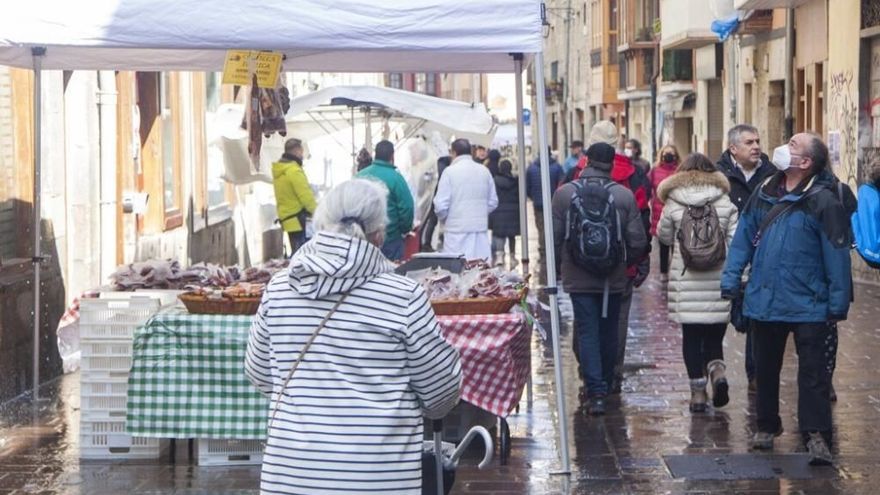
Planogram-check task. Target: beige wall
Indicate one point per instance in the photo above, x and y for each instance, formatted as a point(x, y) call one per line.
point(842, 88)
point(811, 29)
point(763, 71)
point(842, 100)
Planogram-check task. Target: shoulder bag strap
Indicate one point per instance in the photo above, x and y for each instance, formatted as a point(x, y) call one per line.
point(302, 354)
point(777, 211)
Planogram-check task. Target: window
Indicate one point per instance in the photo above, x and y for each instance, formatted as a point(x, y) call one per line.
point(212, 91)
point(431, 85)
point(421, 83)
point(171, 173)
point(9, 174)
point(216, 186)
point(554, 71)
point(395, 80)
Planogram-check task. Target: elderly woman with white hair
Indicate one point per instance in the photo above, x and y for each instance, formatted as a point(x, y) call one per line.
point(351, 356)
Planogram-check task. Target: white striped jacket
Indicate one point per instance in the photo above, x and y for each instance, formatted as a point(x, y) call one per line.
point(350, 420)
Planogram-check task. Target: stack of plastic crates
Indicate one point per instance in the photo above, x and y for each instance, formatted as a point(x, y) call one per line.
point(218, 452)
point(107, 328)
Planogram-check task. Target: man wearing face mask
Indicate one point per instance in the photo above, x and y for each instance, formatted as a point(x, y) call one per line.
point(746, 167)
point(794, 233)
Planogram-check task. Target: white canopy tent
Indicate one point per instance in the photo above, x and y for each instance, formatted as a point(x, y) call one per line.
point(342, 36)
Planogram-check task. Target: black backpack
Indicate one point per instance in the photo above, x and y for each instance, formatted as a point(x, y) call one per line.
point(593, 232)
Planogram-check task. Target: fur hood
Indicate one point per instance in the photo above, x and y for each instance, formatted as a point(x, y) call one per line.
point(693, 187)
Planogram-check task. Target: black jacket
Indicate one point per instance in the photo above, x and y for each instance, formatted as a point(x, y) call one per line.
point(504, 221)
point(740, 189)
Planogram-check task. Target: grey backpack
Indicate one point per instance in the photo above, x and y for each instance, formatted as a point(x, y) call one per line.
point(701, 239)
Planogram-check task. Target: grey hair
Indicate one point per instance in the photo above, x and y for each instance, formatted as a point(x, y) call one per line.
point(736, 131)
point(817, 152)
point(356, 208)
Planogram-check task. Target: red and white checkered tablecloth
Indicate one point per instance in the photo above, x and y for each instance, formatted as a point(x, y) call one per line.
point(495, 358)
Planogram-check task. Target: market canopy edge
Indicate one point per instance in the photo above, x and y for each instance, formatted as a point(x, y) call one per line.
point(342, 36)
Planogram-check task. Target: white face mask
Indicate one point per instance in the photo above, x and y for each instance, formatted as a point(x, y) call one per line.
point(782, 157)
point(628, 152)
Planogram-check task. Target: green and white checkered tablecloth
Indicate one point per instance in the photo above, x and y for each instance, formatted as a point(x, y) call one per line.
point(187, 379)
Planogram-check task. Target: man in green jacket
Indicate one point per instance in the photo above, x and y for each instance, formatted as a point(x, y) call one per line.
point(400, 200)
point(294, 198)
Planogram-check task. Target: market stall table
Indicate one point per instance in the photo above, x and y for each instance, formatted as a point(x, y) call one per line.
point(187, 378)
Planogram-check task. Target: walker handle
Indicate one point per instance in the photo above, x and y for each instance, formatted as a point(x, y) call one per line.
point(473, 432)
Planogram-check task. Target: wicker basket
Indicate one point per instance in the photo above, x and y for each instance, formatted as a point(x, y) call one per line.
point(473, 306)
point(477, 305)
point(201, 305)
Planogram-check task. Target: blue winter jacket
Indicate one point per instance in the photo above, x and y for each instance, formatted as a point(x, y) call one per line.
point(800, 269)
point(533, 181)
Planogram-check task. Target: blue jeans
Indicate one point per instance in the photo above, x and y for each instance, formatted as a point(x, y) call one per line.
point(597, 340)
point(393, 250)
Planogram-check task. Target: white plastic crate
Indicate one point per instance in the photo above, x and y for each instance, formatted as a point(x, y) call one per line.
point(103, 397)
point(113, 364)
point(106, 439)
point(166, 297)
point(114, 319)
point(214, 452)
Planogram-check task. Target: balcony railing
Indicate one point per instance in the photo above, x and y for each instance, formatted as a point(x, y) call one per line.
point(678, 65)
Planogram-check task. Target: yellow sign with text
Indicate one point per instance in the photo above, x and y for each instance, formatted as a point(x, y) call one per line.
point(240, 63)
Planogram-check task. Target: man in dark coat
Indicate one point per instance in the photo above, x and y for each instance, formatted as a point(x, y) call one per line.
point(746, 167)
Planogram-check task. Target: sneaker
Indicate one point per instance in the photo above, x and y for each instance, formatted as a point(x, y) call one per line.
point(820, 454)
point(764, 440)
point(597, 406)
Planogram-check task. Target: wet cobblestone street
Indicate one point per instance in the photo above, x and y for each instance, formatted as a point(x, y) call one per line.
point(629, 451)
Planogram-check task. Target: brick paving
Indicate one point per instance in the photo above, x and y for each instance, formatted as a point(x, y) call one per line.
point(621, 453)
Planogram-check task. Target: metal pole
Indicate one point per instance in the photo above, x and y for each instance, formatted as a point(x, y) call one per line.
point(353, 150)
point(566, 83)
point(521, 154)
point(789, 77)
point(37, 54)
point(550, 259)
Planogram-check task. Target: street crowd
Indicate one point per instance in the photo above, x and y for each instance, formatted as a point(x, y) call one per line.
point(759, 243)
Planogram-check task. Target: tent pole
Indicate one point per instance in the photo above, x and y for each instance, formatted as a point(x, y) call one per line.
point(550, 260)
point(353, 151)
point(37, 53)
point(521, 155)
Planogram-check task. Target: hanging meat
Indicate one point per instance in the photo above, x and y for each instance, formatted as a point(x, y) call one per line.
point(253, 124)
point(264, 115)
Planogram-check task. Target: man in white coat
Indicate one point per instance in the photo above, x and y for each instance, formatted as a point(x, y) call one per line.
point(465, 197)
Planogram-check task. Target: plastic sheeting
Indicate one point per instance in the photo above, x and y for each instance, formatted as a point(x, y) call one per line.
point(315, 35)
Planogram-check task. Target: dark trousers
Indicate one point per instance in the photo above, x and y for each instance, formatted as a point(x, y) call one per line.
point(701, 344)
point(596, 340)
point(539, 223)
point(750, 356)
point(622, 329)
point(814, 342)
point(664, 258)
point(427, 233)
point(297, 239)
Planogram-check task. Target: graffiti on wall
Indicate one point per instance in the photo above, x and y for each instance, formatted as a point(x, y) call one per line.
point(843, 118)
